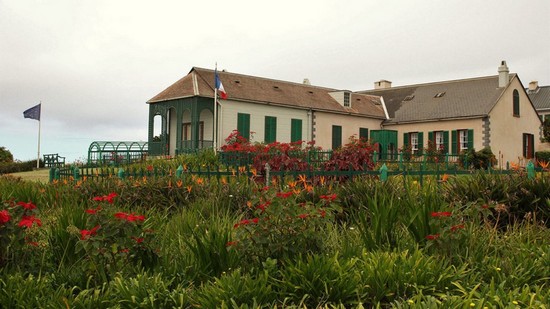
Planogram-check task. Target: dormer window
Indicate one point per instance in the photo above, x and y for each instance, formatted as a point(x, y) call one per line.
point(439, 94)
point(347, 99)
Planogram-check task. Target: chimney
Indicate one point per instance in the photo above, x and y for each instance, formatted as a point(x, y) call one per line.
point(306, 81)
point(534, 85)
point(503, 74)
point(382, 84)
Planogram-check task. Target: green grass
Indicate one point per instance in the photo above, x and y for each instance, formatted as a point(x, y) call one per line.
point(40, 175)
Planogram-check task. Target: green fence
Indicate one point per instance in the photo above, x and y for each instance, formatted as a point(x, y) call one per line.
point(76, 174)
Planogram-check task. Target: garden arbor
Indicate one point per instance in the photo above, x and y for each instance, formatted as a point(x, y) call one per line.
point(109, 152)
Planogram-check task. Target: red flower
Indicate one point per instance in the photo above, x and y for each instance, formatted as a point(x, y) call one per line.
point(93, 211)
point(4, 216)
point(110, 198)
point(246, 222)
point(329, 198)
point(457, 227)
point(124, 250)
point(28, 206)
point(133, 217)
point(303, 216)
point(264, 205)
point(441, 214)
point(485, 206)
point(85, 234)
point(150, 168)
point(98, 198)
point(255, 220)
point(322, 212)
point(231, 243)
point(138, 240)
point(432, 237)
point(28, 221)
point(284, 194)
point(121, 215)
point(32, 243)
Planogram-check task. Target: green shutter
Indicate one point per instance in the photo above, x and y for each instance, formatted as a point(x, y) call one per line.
point(445, 141)
point(405, 140)
point(243, 125)
point(431, 137)
point(363, 133)
point(420, 141)
point(295, 130)
point(270, 129)
point(336, 137)
point(454, 142)
point(470, 139)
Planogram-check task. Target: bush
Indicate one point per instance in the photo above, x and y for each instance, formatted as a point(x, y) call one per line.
point(5, 155)
point(17, 166)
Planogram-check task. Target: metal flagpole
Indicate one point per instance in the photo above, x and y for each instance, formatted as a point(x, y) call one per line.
point(215, 142)
point(39, 122)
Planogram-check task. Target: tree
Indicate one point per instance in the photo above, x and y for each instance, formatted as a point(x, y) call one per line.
point(546, 130)
point(5, 155)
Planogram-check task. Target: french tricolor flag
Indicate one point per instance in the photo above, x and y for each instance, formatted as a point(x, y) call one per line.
point(219, 86)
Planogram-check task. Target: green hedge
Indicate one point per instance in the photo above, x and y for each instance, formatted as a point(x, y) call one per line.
point(16, 167)
point(543, 156)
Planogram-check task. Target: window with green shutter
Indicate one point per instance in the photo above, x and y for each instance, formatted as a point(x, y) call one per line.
point(528, 145)
point(243, 125)
point(295, 130)
point(363, 133)
point(336, 137)
point(270, 130)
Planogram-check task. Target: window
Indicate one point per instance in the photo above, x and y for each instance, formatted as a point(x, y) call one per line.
point(462, 140)
point(270, 130)
point(243, 125)
point(516, 102)
point(295, 130)
point(346, 99)
point(414, 141)
point(363, 134)
point(336, 137)
point(528, 145)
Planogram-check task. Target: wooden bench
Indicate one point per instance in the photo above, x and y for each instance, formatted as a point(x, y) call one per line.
point(54, 160)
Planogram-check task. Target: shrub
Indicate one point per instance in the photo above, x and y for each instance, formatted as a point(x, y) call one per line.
point(355, 155)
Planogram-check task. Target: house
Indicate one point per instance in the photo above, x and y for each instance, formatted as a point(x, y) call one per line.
point(540, 96)
point(493, 111)
point(263, 110)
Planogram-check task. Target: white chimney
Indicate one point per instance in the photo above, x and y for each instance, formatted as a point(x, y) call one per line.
point(306, 81)
point(382, 84)
point(503, 74)
point(534, 85)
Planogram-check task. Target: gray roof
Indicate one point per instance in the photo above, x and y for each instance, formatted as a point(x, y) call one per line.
point(540, 97)
point(200, 82)
point(465, 98)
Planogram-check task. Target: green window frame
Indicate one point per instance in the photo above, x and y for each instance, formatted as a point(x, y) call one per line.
point(336, 137)
point(270, 129)
point(516, 102)
point(243, 125)
point(295, 130)
point(456, 144)
point(441, 144)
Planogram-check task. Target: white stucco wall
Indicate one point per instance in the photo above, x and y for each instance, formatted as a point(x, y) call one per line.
point(507, 130)
point(257, 112)
point(447, 125)
point(350, 126)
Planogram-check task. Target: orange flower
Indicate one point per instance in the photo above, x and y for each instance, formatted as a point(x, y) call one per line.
point(444, 178)
point(515, 166)
point(322, 180)
point(189, 188)
point(254, 172)
point(199, 181)
point(543, 164)
point(302, 179)
point(233, 172)
point(242, 169)
point(309, 188)
point(249, 204)
point(223, 180)
point(170, 183)
point(179, 183)
point(292, 184)
point(274, 181)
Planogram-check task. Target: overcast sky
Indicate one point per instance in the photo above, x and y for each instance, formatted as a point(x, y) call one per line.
point(93, 64)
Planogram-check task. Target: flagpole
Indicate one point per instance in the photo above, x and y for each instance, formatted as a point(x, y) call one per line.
point(39, 126)
point(215, 142)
